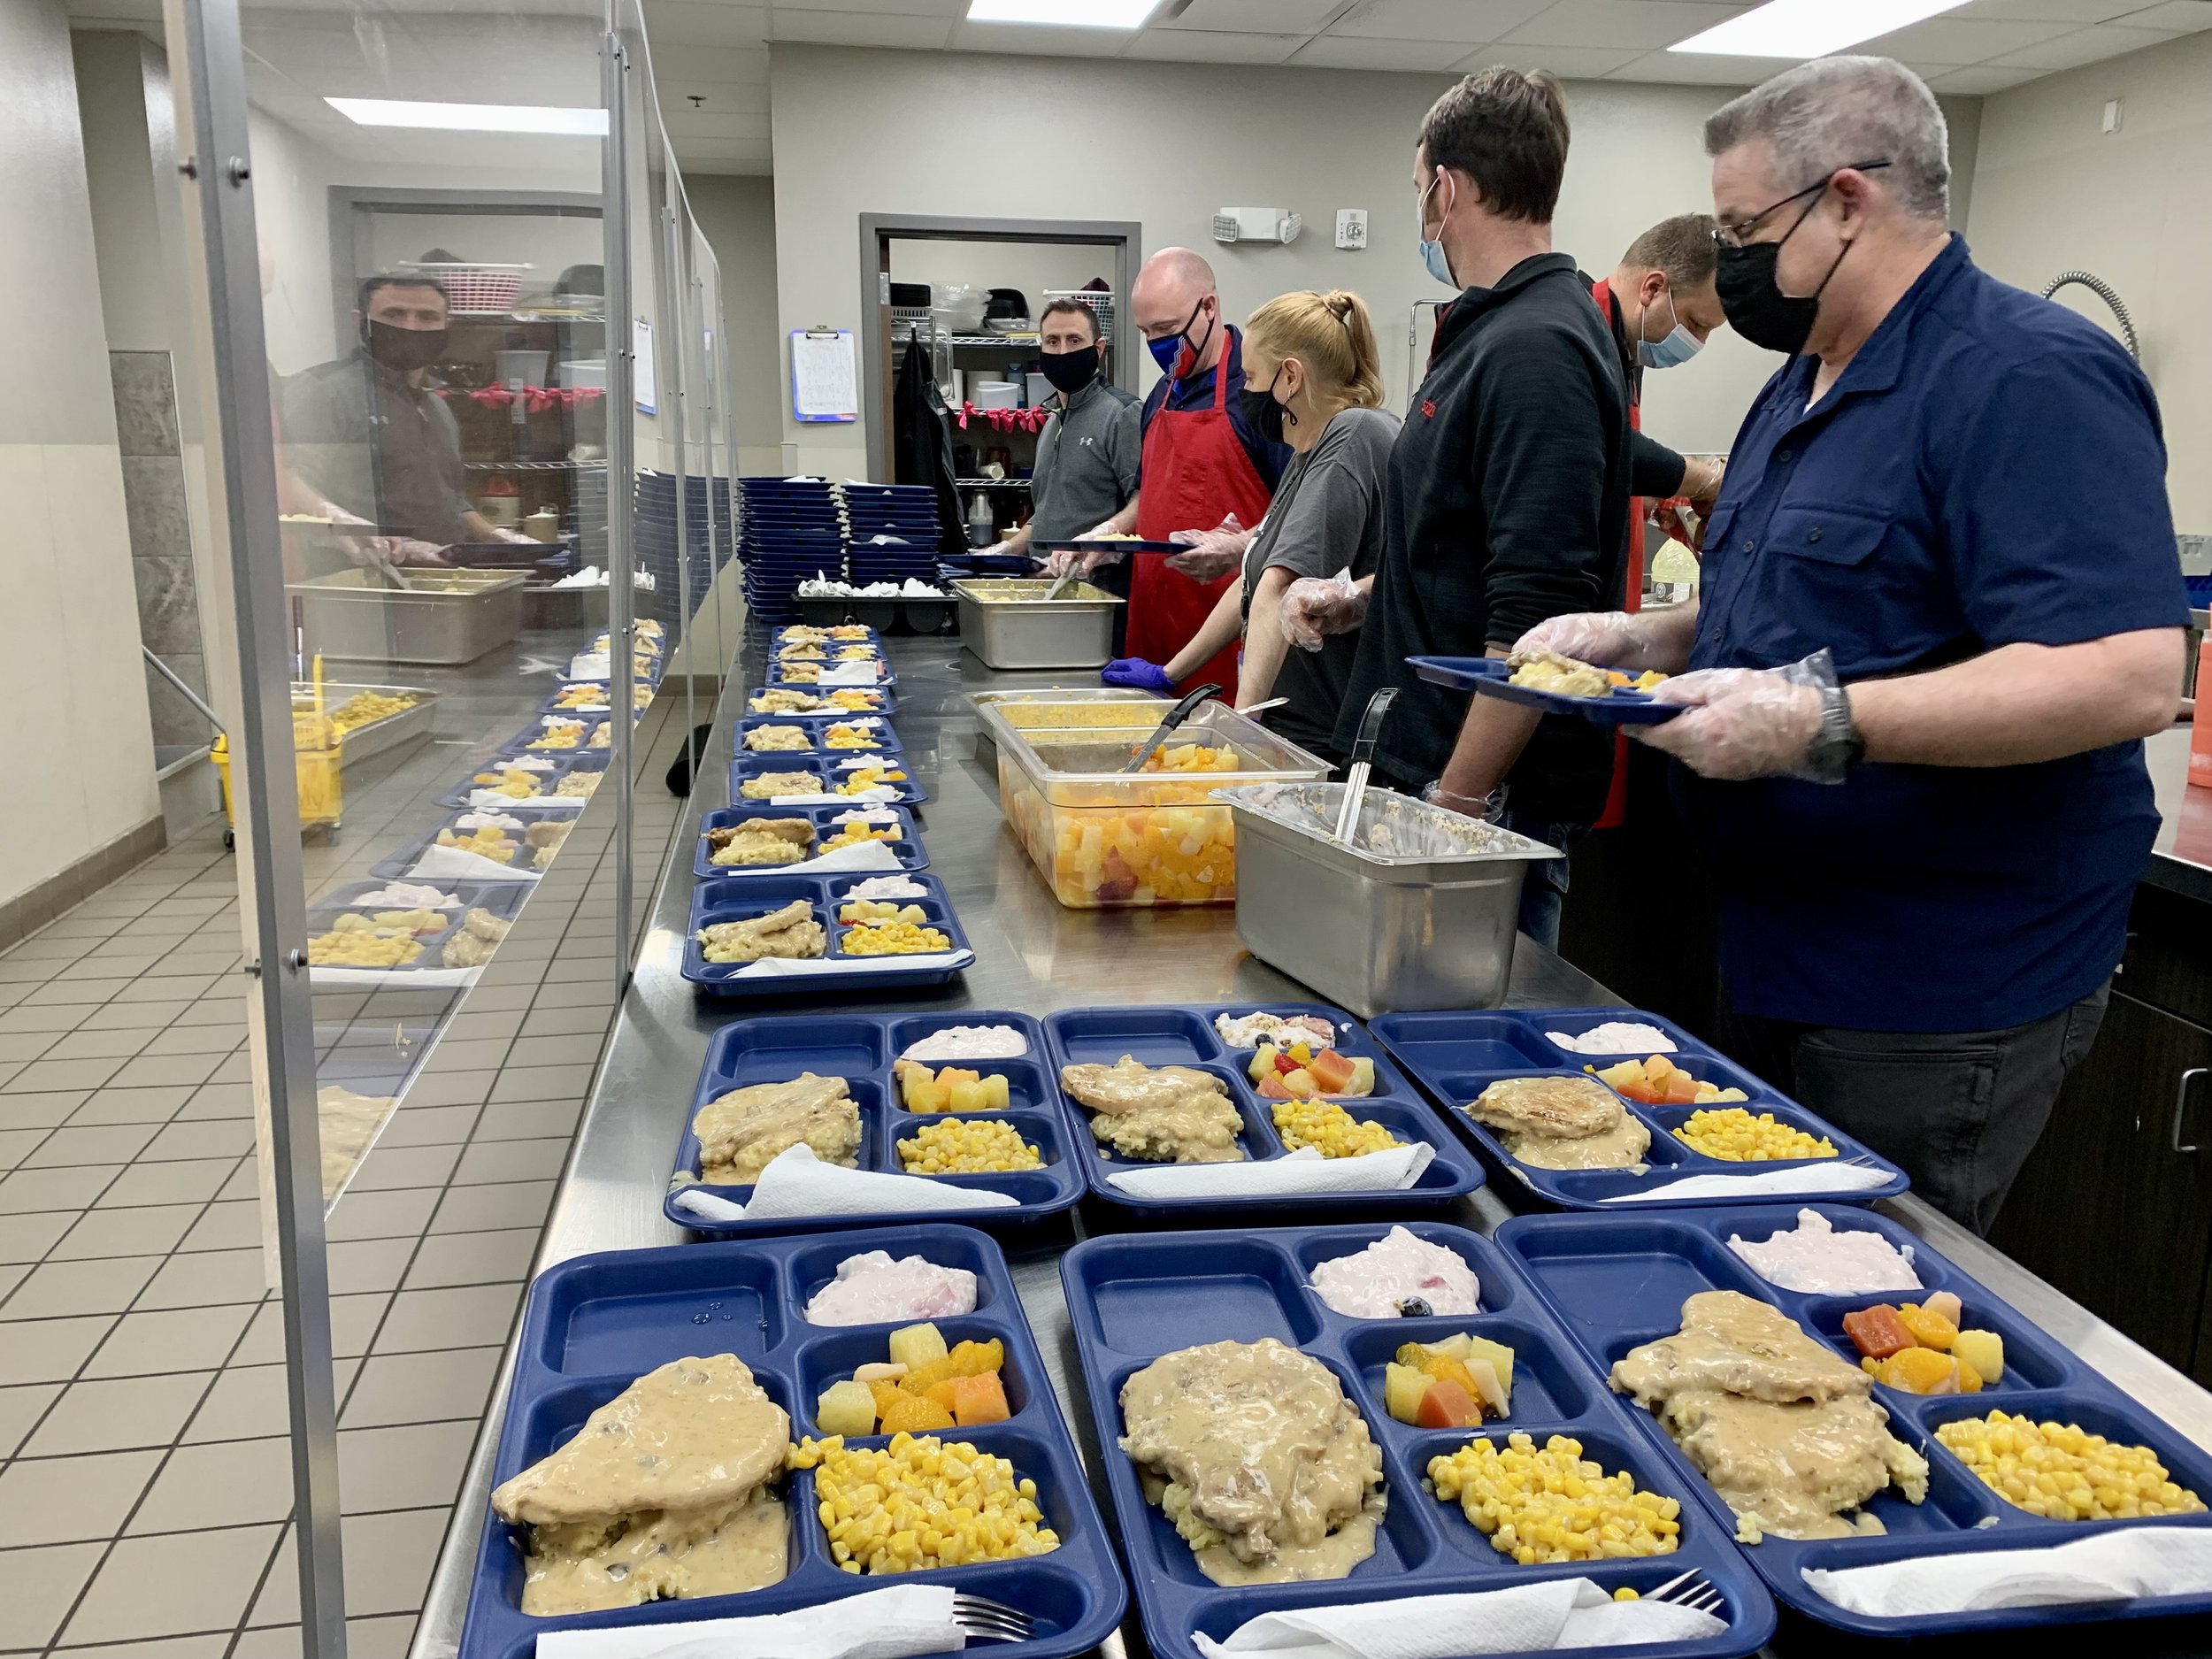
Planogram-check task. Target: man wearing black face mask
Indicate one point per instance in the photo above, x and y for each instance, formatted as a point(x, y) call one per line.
point(371, 434)
point(1941, 608)
point(1087, 455)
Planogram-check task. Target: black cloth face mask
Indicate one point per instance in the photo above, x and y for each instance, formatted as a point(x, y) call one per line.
point(1266, 415)
point(1753, 300)
point(1069, 372)
point(402, 350)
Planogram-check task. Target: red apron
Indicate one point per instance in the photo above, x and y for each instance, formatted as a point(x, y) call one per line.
point(1196, 471)
point(1615, 811)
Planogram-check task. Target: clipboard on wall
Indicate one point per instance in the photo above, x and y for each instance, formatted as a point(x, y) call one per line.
point(825, 384)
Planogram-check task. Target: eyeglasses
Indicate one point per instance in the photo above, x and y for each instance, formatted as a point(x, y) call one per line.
point(1732, 235)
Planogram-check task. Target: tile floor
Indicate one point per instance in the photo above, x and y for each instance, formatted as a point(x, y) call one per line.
point(144, 1476)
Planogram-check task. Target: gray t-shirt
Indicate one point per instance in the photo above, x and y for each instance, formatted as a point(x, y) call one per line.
point(1326, 516)
point(1086, 463)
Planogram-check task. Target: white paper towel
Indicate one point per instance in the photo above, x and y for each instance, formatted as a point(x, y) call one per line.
point(894, 1623)
point(1822, 1176)
point(1304, 1170)
point(2107, 1566)
point(795, 1183)
point(1528, 1618)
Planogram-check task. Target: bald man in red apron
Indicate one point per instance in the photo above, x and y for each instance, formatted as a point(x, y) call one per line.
point(1203, 465)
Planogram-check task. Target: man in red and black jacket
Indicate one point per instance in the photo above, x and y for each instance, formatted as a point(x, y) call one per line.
point(1506, 494)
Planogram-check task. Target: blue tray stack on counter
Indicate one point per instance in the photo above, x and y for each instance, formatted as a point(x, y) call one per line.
point(1454, 1056)
point(906, 848)
point(830, 768)
point(1135, 1297)
point(861, 1049)
point(745, 898)
point(789, 531)
point(564, 762)
point(1166, 1034)
point(595, 1324)
point(1618, 1281)
point(894, 532)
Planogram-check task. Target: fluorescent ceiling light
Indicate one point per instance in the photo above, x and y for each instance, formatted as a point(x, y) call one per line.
point(1082, 14)
point(1809, 28)
point(473, 117)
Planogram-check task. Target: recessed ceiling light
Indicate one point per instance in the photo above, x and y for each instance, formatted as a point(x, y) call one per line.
point(1809, 28)
point(473, 117)
point(1082, 14)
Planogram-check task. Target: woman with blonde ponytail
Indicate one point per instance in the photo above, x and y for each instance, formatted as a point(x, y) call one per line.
point(1313, 379)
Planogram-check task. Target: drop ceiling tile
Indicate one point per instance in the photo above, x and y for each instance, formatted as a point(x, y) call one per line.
point(859, 29)
point(689, 23)
point(1959, 40)
point(1701, 69)
point(1472, 21)
point(721, 97)
point(877, 8)
point(1032, 39)
point(1256, 17)
point(1209, 46)
point(1647, 23)
point(1332, 52)
point(2073, 11)
point(1569, 63)
point(725, 65)
point(1979, 80)
point(684, 122)
point(2083, 46)
point(2188, 16)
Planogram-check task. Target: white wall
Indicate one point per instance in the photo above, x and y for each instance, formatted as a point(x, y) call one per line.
point(856, 131)
point(2053, 192)
point(738, 216)
point(82, 756)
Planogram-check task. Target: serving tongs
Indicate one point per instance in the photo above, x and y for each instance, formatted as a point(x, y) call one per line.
point(1176, 716)
point(1363, 756)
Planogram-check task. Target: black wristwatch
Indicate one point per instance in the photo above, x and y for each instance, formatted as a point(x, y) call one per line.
point(1839, 746)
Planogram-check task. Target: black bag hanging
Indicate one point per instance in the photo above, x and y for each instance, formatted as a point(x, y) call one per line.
point(921, 446)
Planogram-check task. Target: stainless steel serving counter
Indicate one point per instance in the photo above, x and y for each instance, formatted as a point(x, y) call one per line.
point(2181, 859)
point(1033, 955)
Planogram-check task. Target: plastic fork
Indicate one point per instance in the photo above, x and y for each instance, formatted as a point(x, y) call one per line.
point(1362, 755)
point(985, 1620)
point(1689, 1590)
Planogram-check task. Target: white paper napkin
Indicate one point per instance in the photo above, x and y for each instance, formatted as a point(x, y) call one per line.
point(797, 1183)
point(1304, 1170)
point(894, 1623)
point(493, 800)
point(812, 967)
point(2107, 1566)
point(863, 674)
point(860, 856)
point(1822, 1176)
point(449, 862)
point(878, 792)
point(1560, 1613)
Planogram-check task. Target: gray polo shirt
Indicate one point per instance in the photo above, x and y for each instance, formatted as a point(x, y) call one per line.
point(1086, 462)
point(357, 433)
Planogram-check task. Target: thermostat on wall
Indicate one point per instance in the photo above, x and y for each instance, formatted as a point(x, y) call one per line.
point(1256, 224)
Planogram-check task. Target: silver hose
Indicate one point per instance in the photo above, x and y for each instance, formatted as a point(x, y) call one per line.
point(2103, 290)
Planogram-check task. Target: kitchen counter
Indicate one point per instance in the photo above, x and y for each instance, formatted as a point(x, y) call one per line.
point(2181, 859)
point(1033, 955)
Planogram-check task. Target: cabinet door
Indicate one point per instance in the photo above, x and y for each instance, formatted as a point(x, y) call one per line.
point(2107, 1210)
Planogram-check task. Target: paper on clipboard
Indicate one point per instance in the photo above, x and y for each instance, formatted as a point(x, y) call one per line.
point(641, 378)
point(824, 384)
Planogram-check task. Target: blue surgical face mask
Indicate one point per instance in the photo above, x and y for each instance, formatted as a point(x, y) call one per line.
point(1677, 347)
point(1168, 353)
point(1433, 255)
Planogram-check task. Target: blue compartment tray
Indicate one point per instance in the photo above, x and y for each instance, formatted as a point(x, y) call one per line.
point(1618, 1282)
point(400, 865)
point(563, 762)
point(595, 1324)
point(1135, 1297)
point(886, 701)
point(815, 731)
point(1454, 1056)
point(503, 899)
point(860, 1048)
point(1179, 1034)
point(908, 849)
point(827, 768)
point(739, 898)
point(1490, 677)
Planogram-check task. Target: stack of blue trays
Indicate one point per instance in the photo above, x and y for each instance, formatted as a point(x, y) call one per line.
point(788, 533)
point(906, 515)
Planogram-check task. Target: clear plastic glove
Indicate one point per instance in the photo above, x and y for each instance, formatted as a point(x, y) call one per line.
point(1211, 554)
point(1745, 722)
point(1067, 559)
point(1137, 673)
point(1316, 606)
point(500, 533)
point(1611, 639)
point(1483, 807)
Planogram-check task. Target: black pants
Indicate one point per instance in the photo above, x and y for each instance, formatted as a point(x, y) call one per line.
point(1959, 1110)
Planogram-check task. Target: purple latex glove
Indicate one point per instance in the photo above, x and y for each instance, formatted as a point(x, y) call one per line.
point(1137, 673)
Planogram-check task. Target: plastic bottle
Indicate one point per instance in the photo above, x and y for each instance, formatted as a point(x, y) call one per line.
point(2200, 723)
point(1674, 573)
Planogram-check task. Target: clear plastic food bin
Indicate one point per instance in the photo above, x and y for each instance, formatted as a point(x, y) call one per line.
point(1104, 838)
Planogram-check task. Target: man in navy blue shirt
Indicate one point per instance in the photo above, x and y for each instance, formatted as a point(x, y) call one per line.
point(1940, 607)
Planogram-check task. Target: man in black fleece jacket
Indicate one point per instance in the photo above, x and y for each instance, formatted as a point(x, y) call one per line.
point(1507, 496)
